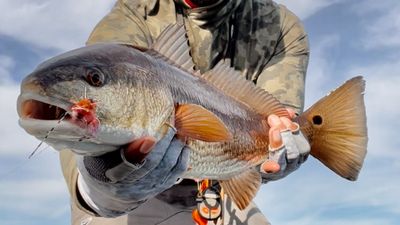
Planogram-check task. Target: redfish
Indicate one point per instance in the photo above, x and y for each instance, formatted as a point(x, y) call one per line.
point(137, 93)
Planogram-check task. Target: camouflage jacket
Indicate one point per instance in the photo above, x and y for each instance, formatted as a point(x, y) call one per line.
point(264, 40)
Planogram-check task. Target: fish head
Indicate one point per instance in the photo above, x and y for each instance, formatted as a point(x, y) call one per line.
point(90, 100)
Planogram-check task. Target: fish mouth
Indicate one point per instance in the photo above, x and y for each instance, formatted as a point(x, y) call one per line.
point(32, 106)
point(49, 119)
point(38, 110)
point(39, 114)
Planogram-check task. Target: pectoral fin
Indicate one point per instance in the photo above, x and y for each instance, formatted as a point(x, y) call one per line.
point(198, 123)
point(242, 188)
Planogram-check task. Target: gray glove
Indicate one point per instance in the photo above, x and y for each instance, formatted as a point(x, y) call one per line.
point(289, 156)
point(112, 186)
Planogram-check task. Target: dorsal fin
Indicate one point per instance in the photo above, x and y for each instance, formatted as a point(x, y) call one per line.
point(231, 82)
point(172, 46)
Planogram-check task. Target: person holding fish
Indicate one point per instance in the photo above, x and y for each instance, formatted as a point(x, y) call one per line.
point(264, 40)
point(215, 125)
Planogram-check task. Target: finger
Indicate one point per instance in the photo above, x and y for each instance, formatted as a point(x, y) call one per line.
point(270, 167)
point(302, 145)
point(179, 168)
point(290, 144)
point(137, 151)
point(291, 166)
point(183, 162)
point(168, 136)
point(292, 126)
point(291, 112)
point(275, 138)
point(274, 121)
point(172, 164)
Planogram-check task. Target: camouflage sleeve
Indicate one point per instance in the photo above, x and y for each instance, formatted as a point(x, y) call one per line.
point(284, 75)
point(70, 172)
point(124, 24)
point(134, 22)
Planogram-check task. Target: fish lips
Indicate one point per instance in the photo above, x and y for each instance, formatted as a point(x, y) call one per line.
point(49, 120)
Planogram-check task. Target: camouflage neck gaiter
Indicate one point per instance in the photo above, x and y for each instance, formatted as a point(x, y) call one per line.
point(197, 3)
point(211, 15)
point(209, 31)
point(245, 31)
point(257, 29)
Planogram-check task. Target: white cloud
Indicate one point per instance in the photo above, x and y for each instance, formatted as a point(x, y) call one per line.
point(66, 25)
point(51, 24)
point(313, 195)
point(29, 188)
point(16, 140)
point(382, 95)
point(382, 23)
point(307, 8)
point(338, 221)
point(320, 80)
point(33, 191)
point(6, 64)
point(367, 6)
point(24, 197)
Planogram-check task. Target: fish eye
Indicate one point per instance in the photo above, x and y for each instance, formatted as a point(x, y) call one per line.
point(94, 77)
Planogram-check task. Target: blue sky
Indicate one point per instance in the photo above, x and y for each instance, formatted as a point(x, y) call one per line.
point(347, 38)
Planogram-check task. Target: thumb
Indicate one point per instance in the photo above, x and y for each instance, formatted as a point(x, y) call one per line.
point(270, 167)
point(136, 151)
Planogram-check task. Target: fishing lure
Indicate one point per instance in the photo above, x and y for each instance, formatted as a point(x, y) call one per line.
point(83, 112)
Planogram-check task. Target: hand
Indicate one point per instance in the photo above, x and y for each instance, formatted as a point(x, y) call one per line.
point(118, 182)
point(288, 148)
point(137, 151)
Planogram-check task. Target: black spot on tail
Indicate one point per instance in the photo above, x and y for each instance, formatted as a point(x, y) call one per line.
point(317, 120)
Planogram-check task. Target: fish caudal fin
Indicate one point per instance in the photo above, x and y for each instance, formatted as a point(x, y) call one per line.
point(242, 188)
point(336, 128)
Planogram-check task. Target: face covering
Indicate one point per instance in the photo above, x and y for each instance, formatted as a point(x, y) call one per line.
point(209, 13)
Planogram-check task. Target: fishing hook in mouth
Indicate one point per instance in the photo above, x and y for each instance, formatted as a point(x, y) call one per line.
point(47, 135)
point(82, 114)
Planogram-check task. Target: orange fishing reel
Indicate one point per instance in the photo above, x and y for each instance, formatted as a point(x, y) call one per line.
point(209, 206)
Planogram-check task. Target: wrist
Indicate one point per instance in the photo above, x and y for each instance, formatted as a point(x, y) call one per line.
point(121, 171)
point(112, 167)
point(99, 199)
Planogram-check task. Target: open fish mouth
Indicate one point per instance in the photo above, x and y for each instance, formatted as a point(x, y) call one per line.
point(35, 109)
point(32, 106)
point(41, 114)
